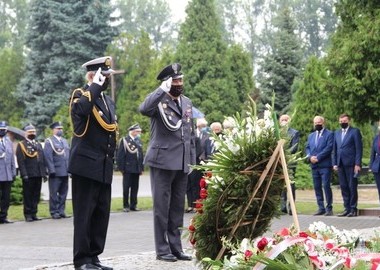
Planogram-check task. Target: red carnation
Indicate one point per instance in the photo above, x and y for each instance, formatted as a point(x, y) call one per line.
point(203, 193)
point(303, 234)
point(192, 228)
point(208, 174)
point(192, 241)
point(247, 254)
point(283, 232)
point(202, 183)
point(262, 243)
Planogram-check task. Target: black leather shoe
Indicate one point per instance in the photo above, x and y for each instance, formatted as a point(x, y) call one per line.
point(35, 218)
point(182, 256)
point(64, 216)
point(167, 258)
point(343, 214)
point(319, 213)
point(88, 266)
point(98, 264)
point(55, 216)
point(353, 214)
point(29, 219)
point(5, 221)
point(126, 209)
point(329, 213)
point(135, 209)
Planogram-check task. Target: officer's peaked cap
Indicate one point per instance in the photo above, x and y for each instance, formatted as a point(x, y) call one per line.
point(102, 62)
point(134, 127)
point(3, 125)
point(29, 127)
point(56, 125)
point(173, 70)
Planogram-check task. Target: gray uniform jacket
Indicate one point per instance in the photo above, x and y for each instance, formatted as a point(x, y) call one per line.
point(7, 161)
point(172, 145)
point(57, 155)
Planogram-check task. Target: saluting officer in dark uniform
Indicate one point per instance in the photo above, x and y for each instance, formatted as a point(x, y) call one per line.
point(57, 151)
point(31, 162)
point(171, 150)
point(91, 163)
point(130, 163)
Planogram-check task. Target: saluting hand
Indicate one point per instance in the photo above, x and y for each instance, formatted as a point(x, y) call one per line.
point(99, 79)
point(166, 85)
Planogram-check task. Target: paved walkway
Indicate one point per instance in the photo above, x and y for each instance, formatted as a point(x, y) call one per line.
point(47, 244)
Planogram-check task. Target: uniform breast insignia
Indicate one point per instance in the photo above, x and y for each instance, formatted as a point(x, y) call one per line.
point(58, 150)
point(165, 119)
point(28, 150)
point(164, 105)
point(129, 147)
point(188, 114)
point(100, 113)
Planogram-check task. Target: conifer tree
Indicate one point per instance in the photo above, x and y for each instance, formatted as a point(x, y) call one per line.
point(281, 66)
point(202, 53)
point(61, 36)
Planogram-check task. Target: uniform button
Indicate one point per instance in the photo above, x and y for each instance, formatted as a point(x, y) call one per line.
point(109, 145)
point(106, 155)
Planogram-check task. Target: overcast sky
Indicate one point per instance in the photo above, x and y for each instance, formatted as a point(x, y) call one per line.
point(178, 8)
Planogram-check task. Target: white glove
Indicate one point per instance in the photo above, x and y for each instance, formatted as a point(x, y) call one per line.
point(165, 85)
point(99, 79)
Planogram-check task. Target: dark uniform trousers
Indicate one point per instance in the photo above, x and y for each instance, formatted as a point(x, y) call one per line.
point(58, 189)
point(166, 182)
point(5, 192)
point(31, 195)
point(91, 199)
point(130, 183)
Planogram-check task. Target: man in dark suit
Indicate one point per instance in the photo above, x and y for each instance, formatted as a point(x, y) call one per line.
point(57, 151)
point(348, 150)
point(374, 164)
point(130, 163)
point(31, 162)
point(294, 138)
point(318, 152)
point(170, 152)
point(91, 163)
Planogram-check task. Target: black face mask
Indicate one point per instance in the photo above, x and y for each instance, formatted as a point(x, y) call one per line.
point(318, 127)
point(3, 132)
point(176, 90)
point(344, 125)
point(31, 136)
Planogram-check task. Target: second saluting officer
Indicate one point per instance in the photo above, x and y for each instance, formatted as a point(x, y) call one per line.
point(170, 152)
point(91, 163)
point(57, 152)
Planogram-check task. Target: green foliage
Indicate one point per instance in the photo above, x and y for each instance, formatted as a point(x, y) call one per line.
point(149, 16)
point(231, 191)
point(16, 191)
point(353, 60)
point(282, 64)
point(11, 109)
point(60, 41)
point(210, 78)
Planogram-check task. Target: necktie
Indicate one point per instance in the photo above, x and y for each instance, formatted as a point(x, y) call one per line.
point(317, 137)
point(343, 134)
point(178, 106)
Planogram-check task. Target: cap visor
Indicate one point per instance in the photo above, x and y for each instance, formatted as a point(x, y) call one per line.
point(108, 72)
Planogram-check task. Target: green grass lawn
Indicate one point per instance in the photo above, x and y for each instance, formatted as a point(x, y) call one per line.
point(16, 211)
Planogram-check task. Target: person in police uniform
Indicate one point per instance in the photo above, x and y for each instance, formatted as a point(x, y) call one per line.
point(170, 152)
point(57, 151)
point(130, 163)
point(91, 163)
point(31, 162)
point(7, 172)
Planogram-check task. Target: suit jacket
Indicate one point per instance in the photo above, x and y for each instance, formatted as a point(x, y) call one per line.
point(323, 149)
point(171, 145)
point(129, 157)
point(374, 163)
point(7, 161)
point(57, 154)
point(350, 151)
point(294, 136)
point(30, 159)
point(93, 146)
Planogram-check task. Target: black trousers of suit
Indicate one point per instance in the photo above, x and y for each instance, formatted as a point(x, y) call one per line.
point(168, 190)
point(349, 187)
point(130, 186)
point(91, 206)
point(58, 188)
point(193, 187)
point(5, 198)
point(31, 189)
